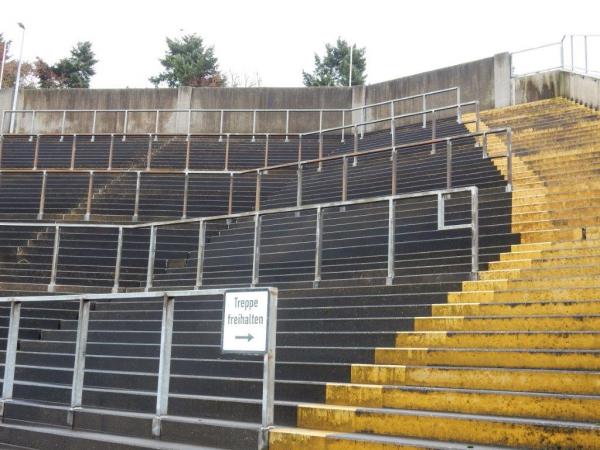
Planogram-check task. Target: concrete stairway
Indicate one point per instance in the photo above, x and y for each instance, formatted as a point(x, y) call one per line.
point(512, 359)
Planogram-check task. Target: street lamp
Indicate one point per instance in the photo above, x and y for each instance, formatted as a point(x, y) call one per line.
point(350, 69)
point(17, 80)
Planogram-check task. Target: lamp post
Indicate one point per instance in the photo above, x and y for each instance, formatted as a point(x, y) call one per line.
point(17, 81)
point(350, 69)
point(4, 51)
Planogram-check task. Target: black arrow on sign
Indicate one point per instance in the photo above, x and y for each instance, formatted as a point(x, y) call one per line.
point(249, 337)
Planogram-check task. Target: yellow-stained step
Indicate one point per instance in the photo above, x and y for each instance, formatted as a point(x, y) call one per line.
point(526, 295)
point(467, 401)
point(490, 378)
point(516, 308)
point(565, 340)
point(450, 427)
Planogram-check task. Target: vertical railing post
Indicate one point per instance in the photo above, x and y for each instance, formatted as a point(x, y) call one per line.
point(189, 124)
point(32, 129)
point(36, 152)
point(364, 119)
point(188, 149)
point(90, 195)
point(151, 258)
point(343, 126)
point(394, 161)
point(230, 199)
point(253, 125)
point(164, 363)
point(256, 250)
point(320, 164)
point(299, 147)
point(226, 152)
point(186, 183)
point(221, 126)
point(562, 53)
point(393, 124)
point(318, 246)
point(125, 123)
point(572, 55)
point(509, 168)
point(474, 233)
point(156, 122)
point(355, 137)
point(424, 109)
point(585, 52)
point(136, 203)
point(257, 190)
point(118, 258)
point(484, 152)
point(441, 211)
point(268, 393)
point(287, 124)
point(391, 250)
point(94, 126)
point(81, 338)
point(149, 152)
point(267, 148)
point(299, 185)
point(448, 164)
point(111, 149)
point(477, 117)
point(10, 360)
point(73, 151)
point(201, 250)
point(458, 106)
point(320, 120)
point(40, 215)
point(62, 125)
point(54, 266)
point(433, 130)
point(344, 178)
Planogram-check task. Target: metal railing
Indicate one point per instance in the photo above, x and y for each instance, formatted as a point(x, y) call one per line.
point(257, 217)
point(571, 53)
point(221, 114)
point(166, 340)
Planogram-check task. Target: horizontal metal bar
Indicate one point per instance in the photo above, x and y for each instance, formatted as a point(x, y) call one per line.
point(552, 44)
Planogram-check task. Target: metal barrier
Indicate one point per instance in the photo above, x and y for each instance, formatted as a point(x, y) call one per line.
point(220, 113)
point(571, 53)
point(257, 217)
point(166, 339)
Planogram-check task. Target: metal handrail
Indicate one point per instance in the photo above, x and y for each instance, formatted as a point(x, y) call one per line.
point(166, 341)
point(221, 111)
point(440, 194)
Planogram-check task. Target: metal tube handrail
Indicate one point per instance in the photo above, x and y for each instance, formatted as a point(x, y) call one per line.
point(166, 341)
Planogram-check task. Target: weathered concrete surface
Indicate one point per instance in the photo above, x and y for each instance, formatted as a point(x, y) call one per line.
point(502, 85)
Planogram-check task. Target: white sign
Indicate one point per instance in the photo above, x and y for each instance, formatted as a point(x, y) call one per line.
point(245, 317)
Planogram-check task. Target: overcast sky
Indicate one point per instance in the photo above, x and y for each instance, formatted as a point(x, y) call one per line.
point(278, 38)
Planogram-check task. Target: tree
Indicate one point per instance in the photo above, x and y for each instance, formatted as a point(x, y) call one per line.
point(28, 78)
point(74, 71)
point(188, 62)
point(333, 68)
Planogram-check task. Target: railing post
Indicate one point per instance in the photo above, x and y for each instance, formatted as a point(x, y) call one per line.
point(393, 124)
point(474, 233)
point(441, 211)
point(221, 126)
point(10, 359)
point(320, 120)
point(394, 160)
point(364, 119)
point(355, 137)
point(448, 164)
point(268, 393)
point(62, 125)
point(164, 363)
point(32, 130)
point(79, 361)
point(186, 182)
point(125, 123)
point(189, 124)
point(136, 204)
point(299, 147)
point(391, 251)
point(90, 194)
point(562, 53)
point(344, 178)
point(320, 165)
point(572, 55)
point(585, 52)
point(318, 246)
point(433, 130)
point(118, 258)
point(151, 258)
point(253, 125)
point(287, 124)
point(477, 117)
point(484, 153)
point(343, 125)
point(458, 107)
point(424, 109)
point(149, 152)
point(36, 152)
point(201, 250)
point(156, 122)
point(188, 149)
point(73, 151)
point(230, 199)
point(226, 152)
point(54, 268)
point(509, 170)
point(256, 250)
point(257, 190)
point(267, 149)
point(40, 215)
point(94, 126)
point(111, 149)
point(299, 186)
